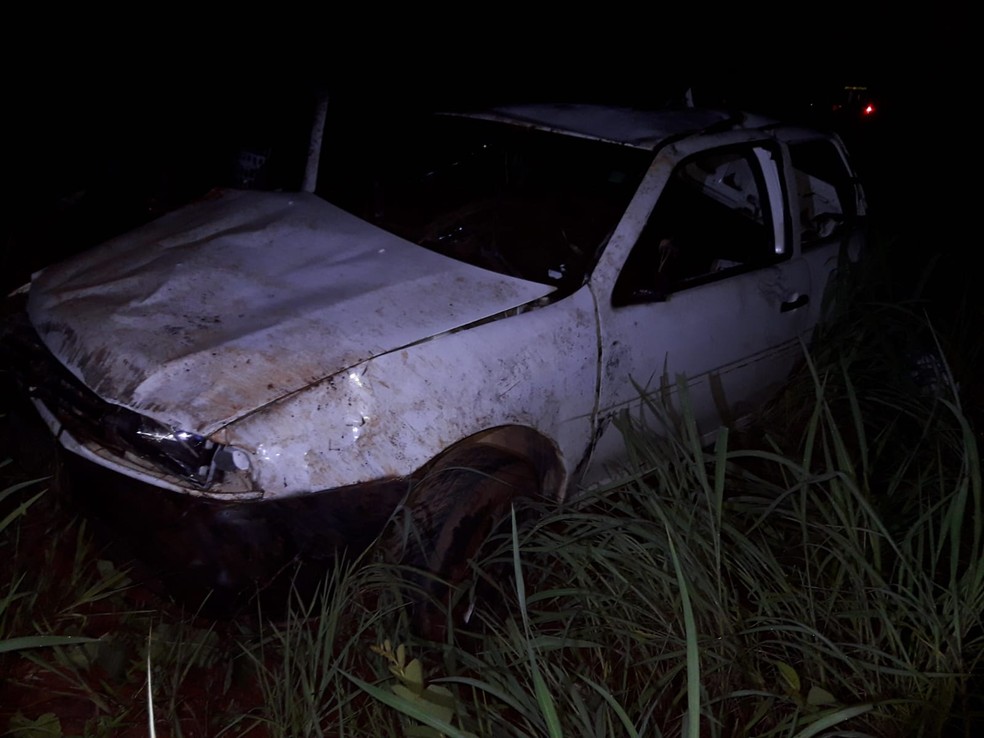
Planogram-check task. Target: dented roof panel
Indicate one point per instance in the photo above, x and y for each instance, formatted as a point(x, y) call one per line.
point(224, 306)
point(640, 128)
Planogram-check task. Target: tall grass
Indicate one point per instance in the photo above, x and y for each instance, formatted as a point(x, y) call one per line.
point(9, 598)
point(305, 660)
point(746, 592)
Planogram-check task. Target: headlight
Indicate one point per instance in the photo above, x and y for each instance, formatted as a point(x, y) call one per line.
point(188, 454)
point(92, 420)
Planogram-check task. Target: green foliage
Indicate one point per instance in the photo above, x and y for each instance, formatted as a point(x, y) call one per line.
point(302, 661)
point(44, 726)
point(22, 643)
point(432, 707)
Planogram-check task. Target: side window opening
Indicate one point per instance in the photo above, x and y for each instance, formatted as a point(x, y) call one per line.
point(713, 218)
point(824, 191)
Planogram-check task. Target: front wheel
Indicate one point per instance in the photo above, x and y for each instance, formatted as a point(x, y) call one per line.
point(457, 505)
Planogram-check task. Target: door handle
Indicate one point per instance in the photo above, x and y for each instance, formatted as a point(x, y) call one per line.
point(794, 304)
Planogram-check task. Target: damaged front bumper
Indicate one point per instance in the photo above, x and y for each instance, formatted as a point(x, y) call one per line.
point(227, 554)
point(113, 436)
point(171, 499)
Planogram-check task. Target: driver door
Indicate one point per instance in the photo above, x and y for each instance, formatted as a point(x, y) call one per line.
point(710, 299)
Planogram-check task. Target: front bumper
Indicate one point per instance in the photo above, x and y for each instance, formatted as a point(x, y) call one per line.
point(223, 552)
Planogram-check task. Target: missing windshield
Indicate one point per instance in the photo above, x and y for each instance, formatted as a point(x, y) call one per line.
point(521, 202)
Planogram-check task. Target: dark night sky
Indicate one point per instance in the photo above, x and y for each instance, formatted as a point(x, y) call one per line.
point(158, 107)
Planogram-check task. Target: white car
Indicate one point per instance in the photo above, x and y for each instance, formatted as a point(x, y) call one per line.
point(486, 294)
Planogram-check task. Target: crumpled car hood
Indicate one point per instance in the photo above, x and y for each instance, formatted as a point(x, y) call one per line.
point(228, 304)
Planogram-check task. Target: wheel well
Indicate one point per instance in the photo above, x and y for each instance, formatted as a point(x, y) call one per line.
point(526, 442)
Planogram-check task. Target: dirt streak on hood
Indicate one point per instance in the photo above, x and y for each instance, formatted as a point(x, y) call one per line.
point(224, 306)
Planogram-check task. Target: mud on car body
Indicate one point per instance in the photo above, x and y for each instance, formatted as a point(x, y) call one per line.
point(484, 291)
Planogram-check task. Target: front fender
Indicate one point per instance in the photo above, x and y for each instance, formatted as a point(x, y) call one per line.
point(389, 416)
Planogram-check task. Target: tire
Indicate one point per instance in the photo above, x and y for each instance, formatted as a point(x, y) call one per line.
point(454, 508)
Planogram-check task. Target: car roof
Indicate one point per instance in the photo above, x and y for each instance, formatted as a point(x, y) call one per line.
point(645, 129)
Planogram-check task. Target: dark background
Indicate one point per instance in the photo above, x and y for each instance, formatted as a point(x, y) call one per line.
point(111, 121)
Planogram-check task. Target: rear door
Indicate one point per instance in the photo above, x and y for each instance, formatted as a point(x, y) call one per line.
point(827, 208)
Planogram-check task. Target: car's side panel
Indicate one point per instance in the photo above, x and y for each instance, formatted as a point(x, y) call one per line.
point(391, 415)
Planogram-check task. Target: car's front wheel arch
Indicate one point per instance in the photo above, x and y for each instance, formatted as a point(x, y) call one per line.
point(458, 499)
point(525, 442)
